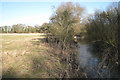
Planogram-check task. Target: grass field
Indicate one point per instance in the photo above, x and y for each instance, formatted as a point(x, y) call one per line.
point(26, 56)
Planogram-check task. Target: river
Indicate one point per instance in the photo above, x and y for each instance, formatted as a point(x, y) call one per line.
point(90, 62)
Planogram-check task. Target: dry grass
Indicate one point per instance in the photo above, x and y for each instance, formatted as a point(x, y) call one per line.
point(26, 56)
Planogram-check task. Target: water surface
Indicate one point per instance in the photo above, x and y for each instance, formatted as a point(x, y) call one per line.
point(89, 61)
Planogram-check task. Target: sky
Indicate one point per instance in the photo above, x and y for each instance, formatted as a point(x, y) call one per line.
point(37, 13)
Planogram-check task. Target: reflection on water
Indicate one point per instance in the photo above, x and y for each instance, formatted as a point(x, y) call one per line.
point(88, 61)
point(86, 58)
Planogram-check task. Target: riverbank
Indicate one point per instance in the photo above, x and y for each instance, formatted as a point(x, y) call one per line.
point(96, 62)
point(30, 56)
point(26, 56)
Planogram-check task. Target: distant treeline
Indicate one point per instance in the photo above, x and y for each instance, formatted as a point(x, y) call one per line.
point(21, 28)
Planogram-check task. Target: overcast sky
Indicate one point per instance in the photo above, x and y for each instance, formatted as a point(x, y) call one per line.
point(36, 13)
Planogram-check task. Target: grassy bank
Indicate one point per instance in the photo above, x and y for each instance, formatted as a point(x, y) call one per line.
point(28, 56)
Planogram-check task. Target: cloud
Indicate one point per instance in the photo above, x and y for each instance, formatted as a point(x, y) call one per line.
point(29, 20)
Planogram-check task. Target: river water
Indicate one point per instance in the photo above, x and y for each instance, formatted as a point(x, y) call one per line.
point(89, 62)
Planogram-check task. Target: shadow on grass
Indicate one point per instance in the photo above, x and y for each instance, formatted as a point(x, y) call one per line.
point(43, 62)
point(67, 59)
point(36, 62)
point(10, 73)
point(46, 66)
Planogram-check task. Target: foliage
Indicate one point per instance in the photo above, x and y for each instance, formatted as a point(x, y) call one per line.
point(64, 20)
point(103, 26)
point(102, 29)
point(45, 28)
point(21, 28)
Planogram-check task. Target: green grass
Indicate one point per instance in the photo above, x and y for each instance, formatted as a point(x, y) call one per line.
point(25, 56)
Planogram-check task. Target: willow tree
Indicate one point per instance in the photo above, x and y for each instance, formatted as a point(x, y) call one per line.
point(64, 20)
point(103, 27)
point(102, 30)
